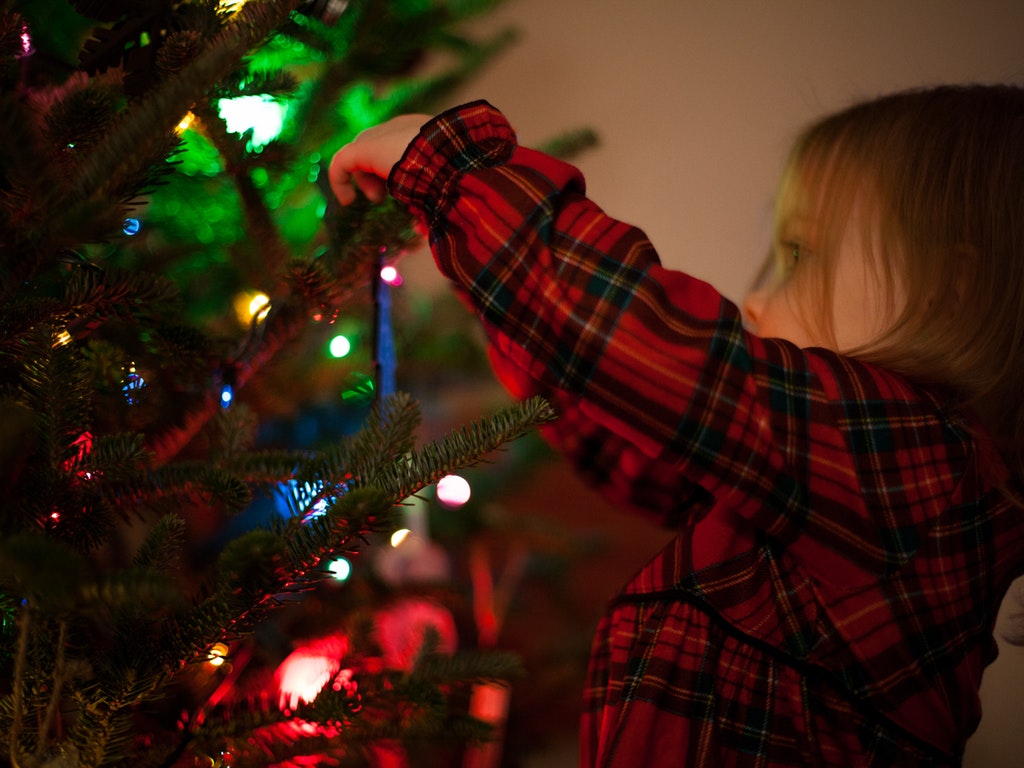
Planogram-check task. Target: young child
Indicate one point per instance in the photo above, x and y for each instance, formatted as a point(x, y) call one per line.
point(843, 470)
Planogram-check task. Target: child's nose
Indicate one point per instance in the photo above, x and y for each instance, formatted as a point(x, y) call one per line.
point(753, 308)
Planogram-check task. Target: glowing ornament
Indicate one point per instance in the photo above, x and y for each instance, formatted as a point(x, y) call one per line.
point(261, 115)
point(133, 383)
point(131, 226)
point(310, 500)
point(319, 509)
point(453, 491)
point(360, 390)
point(340, 346)
point(227, 396)
point(82, 447)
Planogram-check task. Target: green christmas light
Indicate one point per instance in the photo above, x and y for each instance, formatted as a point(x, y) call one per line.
point(260, 114)
point(340, 346)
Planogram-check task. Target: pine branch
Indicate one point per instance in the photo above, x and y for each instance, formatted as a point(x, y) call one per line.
point(387, 435)
point(137, 626)
point(92, 293)
point(18, 317)
point(161, 550)
point(55, 387)
point(29, 177)
point(129, 147)
point(465, 447)
point(270, 252)
point(195, 481)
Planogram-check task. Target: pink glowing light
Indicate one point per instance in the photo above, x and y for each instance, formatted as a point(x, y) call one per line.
point(390, 276)
point(453, 491)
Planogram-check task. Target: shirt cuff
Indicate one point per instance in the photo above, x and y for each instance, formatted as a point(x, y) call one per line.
point(475, 135)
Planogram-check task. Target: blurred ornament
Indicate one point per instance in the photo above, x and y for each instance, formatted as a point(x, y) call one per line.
point(414, 561)
point(26, 42)
point(328, 11)
point(307, 669)
point(489, 703)
point(403, 626)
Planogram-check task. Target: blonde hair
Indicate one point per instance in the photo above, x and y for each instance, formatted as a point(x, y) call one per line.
point(937, 179)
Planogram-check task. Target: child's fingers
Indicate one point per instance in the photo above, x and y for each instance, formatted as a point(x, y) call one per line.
point(367, 160)
point(373, 186)
point(354, 166)
point(340, 174)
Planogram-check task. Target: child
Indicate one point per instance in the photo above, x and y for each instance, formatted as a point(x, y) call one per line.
point(843, 471)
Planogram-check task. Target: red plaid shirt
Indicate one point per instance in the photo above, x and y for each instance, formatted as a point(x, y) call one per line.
point(843, 546)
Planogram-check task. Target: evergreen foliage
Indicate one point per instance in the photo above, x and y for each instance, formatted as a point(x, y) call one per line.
point(121, 232)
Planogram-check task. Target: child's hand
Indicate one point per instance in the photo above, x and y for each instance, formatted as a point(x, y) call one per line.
point(367, 160)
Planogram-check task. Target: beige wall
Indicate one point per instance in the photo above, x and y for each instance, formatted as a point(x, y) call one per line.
point(696, 102)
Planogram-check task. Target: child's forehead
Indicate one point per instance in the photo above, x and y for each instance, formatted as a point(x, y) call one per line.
point(825, 200)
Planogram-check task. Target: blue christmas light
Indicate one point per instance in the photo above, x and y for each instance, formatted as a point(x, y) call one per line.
point(132, 226)
point(227, 395)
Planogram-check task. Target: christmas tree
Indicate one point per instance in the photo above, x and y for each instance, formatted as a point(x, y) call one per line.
point(160, 156)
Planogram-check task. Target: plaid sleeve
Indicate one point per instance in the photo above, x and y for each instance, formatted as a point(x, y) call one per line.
point(610, 464)
point(840, 462)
